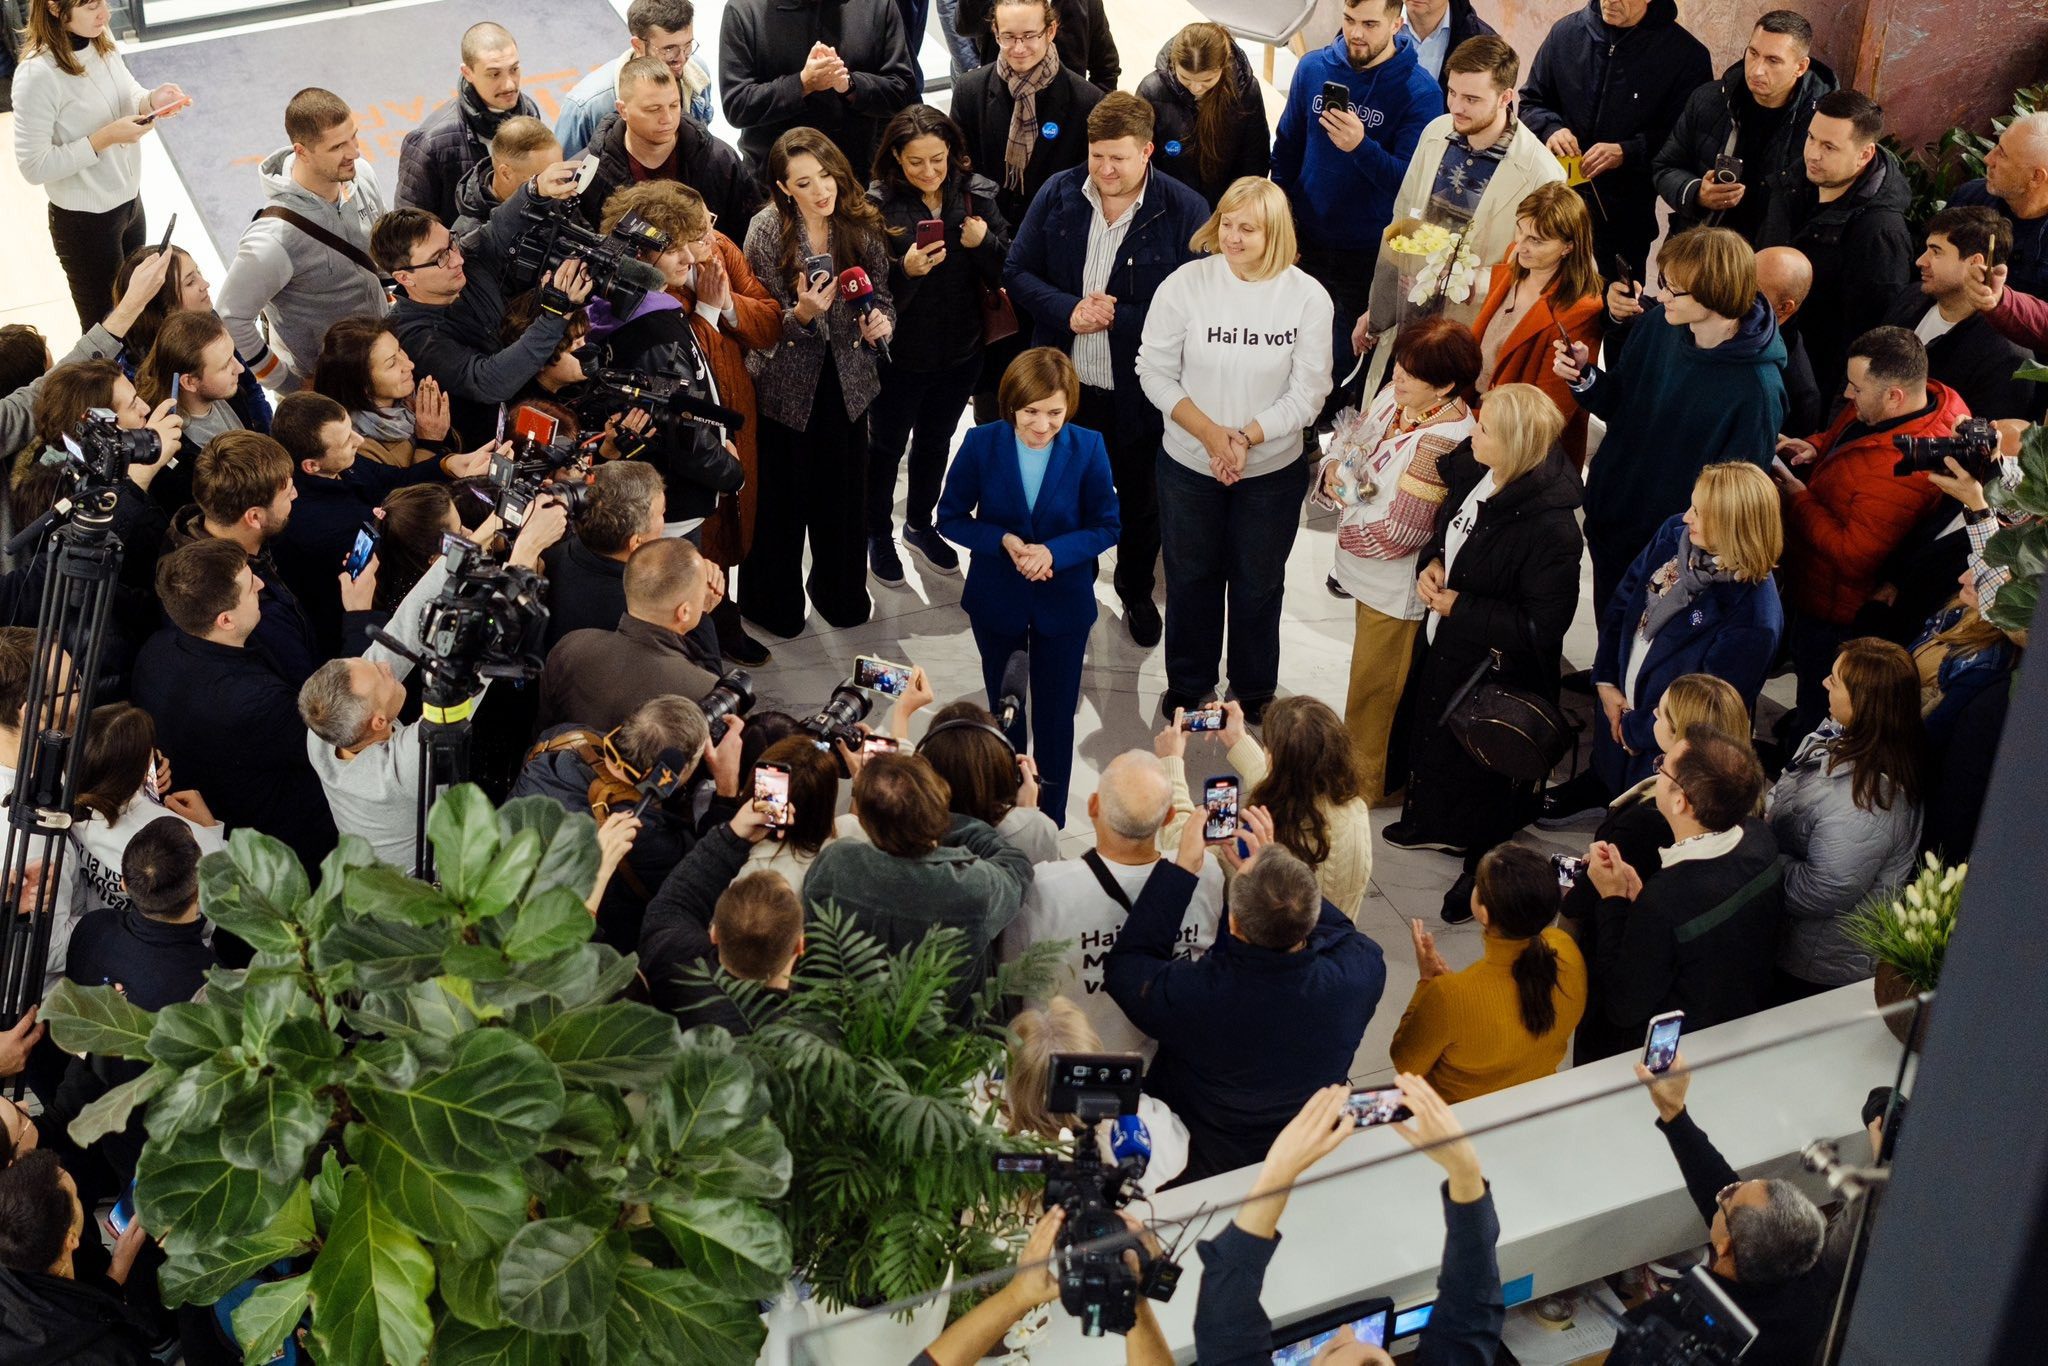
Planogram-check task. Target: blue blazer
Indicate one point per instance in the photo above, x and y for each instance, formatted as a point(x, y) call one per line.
point(1076, 519)
point(1730, 631)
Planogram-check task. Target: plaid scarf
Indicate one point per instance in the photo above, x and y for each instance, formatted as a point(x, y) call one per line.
point(1024, 88)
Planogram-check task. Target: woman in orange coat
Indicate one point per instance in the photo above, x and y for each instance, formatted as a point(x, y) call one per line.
point(1547, 280)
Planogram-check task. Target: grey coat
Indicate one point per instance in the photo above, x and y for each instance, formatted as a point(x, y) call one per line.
point(786, 375)
point(1837, 856)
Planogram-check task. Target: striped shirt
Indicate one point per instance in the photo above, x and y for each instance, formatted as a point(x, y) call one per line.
point(1091, 350)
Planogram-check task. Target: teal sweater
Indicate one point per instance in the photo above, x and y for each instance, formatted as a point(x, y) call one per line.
point(1672, 409)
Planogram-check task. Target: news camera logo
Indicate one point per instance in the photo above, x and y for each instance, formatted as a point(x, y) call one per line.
point(1367, 115)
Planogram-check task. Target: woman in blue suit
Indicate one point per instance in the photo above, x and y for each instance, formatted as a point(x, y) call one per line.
point(1032, 501)
point(1699, 599)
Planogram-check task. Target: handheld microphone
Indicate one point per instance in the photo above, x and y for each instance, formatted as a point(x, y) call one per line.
point(1130, 1141)
point(1016, 685)
point(662, 780)
point(855, 288)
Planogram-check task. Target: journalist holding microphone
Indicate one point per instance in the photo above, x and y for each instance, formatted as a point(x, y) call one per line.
point(1246, 329)
point(1032, 501)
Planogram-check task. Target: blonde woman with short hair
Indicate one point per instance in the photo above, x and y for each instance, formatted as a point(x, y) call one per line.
point(1699, 599)
point(1236, 354)
point(1061, 1027)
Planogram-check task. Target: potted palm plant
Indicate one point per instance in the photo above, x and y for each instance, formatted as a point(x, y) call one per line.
point(426, 1125)
point(1907, 932)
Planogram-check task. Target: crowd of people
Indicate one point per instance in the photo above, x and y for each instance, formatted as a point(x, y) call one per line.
point(1171, 367)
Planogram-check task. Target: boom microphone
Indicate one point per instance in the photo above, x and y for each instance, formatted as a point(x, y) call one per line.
point(857, 289)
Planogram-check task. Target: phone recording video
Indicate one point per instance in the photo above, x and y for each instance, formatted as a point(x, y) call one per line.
point(123, 1212)
point(1660, 1048)
point(1377, 1105)
point(879, 675)
point(818, 269)
point(771, 795)
point(1336, 97)
point(880, 744)
point(1203, 718)
point(1219, 809)
point(1569, 868)
point(359, 553)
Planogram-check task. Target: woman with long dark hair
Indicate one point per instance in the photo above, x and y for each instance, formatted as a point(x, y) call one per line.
point(815, 387)
point(1303, 770)
point(1212, 125)
point(185, 289)
point(1846, 812)
point(922, 174)
point(126, 784)
point(363, 367)
point(1509, 1017)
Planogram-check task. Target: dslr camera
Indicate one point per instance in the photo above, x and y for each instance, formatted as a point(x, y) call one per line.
point(732, 695)
point(529, 470)
point(838, 721)
point(101, 451)
point(1974, 446)
point(1097, 1286)
point(554, 232)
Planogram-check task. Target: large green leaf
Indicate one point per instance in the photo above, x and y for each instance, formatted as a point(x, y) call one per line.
point(548, 924)
point(386, 953)
point(568, 843)
point(202, 1274)
point(474, 1212)
point(324, 906)
point(272, 1126)
point(491, 1104)
point(591, 1123)
point(255, 889)
point(469, 1287)
point(661, 1315)
point(624, 1043)
point(326, 1190)
point(190, 1032)
point(264, 1320)
point(557, 1274)
point(96, 1020)
point(381, 892)
point(269, 1003)
point(463, 827)
point(705, 1096)
point(186, 1187)
point(370, 1285)
point(752, 1163)
point(463, 1344)
point(734, 1244)
point(109, 1114)
point(506, 877)
point(194, 1101)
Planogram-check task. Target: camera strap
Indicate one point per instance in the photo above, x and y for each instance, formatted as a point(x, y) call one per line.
point(1110, 888)
point(340, 246)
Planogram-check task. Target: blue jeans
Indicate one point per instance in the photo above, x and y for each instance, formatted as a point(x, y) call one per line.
point(1051, 709)
point(1226, 546)
point(959, 46)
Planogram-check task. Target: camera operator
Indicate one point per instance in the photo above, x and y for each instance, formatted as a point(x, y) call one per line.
point(593, 771)
point(1040, 1035)
point(989, 781)
point(368, 761)
point(1764, 1237)
point(102, 341)
point(711, 910)
point(1274, 1010)
point(1231, 1328)
point(448, 318)
point(600, 676)
point(627, 509)
point(226, 716)
point(1846, 511)
point(520, 150)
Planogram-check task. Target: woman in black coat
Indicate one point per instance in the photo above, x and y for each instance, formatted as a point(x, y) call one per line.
point(1502, 575)
point(1210, 119)
point(922, 174)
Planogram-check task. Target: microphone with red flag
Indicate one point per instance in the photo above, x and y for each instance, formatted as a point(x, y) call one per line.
point(857, 289)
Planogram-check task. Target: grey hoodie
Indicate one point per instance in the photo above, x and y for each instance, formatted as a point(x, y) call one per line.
point(299, 287)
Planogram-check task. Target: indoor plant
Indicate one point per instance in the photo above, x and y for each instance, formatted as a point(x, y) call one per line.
point(1907, 931)
point(2022, 544)
point(427, 1109)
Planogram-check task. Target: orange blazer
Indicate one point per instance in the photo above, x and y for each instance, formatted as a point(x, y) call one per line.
point(1526, 354)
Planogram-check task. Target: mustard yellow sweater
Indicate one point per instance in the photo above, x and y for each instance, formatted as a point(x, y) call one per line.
point(1463, 1031)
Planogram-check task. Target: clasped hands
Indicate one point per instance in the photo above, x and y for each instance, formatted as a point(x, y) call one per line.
point(1034, 562)
point(825, 70)
point(1229, 448)
point(1095, 313)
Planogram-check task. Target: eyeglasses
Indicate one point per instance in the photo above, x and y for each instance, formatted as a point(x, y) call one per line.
point(1727, 1193)
point(1019, 39)
point(440, 260)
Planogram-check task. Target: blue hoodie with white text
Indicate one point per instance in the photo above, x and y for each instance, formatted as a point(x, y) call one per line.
point(1344, 200)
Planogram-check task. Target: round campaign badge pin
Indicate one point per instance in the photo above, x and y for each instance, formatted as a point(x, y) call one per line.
point(1048, 130)
point(1173, 148)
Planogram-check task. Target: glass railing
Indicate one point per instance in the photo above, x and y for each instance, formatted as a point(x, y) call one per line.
point(1586, 1188)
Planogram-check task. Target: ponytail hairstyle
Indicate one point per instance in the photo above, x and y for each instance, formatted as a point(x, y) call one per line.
point(1519, 890)
point(1209, 47)
point(180, 349)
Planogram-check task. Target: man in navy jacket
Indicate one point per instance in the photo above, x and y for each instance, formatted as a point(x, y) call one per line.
point(1145, 223)
point(1251, 1029)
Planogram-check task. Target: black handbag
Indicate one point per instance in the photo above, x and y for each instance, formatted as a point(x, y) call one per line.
point(1507, 730)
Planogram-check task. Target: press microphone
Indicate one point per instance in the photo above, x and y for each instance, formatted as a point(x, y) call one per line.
point(1130, 1141)
point(1016, 685)
point(662, 779)
point(855, 288)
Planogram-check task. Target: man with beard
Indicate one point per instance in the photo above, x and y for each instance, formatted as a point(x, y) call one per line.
point(1341, 166)
point(436, 155)
point(304, 264)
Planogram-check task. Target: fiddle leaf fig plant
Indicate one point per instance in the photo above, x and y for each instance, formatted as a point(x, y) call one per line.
point(425, 1123)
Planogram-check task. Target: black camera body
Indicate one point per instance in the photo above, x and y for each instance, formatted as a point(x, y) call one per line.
point(554, 232)
point(665, 398)
point(733, 695)
point(838, 721)
point(490, 621)
point(101, 450)
point(1974, 446)
point(529, 470)
point(1097, 1286)
point(1695, 1323)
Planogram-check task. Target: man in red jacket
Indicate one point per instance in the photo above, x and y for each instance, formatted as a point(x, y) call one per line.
point(1846, 511)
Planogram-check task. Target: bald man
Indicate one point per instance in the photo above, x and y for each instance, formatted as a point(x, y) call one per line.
point(1786, 277)
point(435, 156)
point(1086, 899)
point(2016, 184)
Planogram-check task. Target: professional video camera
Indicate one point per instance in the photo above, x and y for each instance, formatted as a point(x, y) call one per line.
point(733, 696)
point(1096, 1285)
point(1695, 1323)
point(1974, 445)
point(529, 469)
point(665, 398)
point(490, 621)
point(838, 721)
point(101, 451)
point(554, 232)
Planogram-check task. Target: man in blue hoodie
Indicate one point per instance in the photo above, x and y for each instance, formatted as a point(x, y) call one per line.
point(1341, 167)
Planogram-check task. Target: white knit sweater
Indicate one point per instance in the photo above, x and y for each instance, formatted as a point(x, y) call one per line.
point(55, 116)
